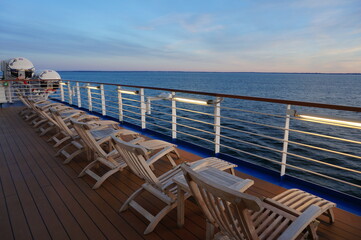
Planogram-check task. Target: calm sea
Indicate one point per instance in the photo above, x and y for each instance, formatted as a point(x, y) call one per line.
point(342, 89)
point(339, 89)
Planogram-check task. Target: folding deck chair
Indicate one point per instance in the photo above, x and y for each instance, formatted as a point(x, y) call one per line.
point(242, 216)
point(94, 140)
point(162, 187)
point(66, 131)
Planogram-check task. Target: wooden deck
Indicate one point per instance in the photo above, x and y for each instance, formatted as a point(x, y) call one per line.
point(40, 198)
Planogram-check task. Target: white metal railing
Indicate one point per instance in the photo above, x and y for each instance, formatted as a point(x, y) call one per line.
point(267, 132)
point(9, 89)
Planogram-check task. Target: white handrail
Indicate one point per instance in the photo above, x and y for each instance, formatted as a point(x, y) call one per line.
point(241, 134)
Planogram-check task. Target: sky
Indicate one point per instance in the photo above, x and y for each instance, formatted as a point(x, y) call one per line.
point(182, 35)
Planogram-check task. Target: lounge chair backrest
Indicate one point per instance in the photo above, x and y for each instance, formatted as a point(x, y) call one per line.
point(83, 130)
point(60, 122)
point(44, 113)
point(134, 156)
point(242, 216)
point(30, 104)
point(24, 100)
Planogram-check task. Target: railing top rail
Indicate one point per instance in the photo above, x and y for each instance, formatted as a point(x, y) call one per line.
point(32, 80)
point(270, 100)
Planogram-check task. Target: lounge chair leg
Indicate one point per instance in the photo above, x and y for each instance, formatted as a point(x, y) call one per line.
point(152, 167)
point(133, 196)
point(44, 131)
point(61, 141)
point(177, 153)
point(89, 166)
point(171, 160)
point(54, 137)
point(38, 123)
point(29, 117)
point(104, 177)
point(73, 155)
point(61, 149)
point(312, 230)
point(51, 138)
point(156, 219)
point(89, 154)
point(209, 230)
point(331, 216)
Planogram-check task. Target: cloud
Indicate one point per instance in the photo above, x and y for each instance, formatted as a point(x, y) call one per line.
point(249, 36)
point(191, 23)
point(321, 3)
point(16, 37)
point(344, 51)
point(199, 23)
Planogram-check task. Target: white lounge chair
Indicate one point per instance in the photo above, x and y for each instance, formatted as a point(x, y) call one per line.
point(94, 140)
point(242, 216)
point(162, 187)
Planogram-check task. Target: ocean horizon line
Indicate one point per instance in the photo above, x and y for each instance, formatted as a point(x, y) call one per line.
point(207, 72)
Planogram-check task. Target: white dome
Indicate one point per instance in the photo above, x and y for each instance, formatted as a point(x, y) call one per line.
point(20, 63)
point(48, 75)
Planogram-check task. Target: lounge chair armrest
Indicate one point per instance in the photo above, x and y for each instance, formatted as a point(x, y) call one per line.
point(160, 154)
point(202, 163)
point(48, 105)
point(87, 117)
point(242, 185)
point(61, 108)
point(104, 123)
point(281, 206)
point(104, 139)
point(72, 114)
point(112, 153)
point(72, 110)
point(137, 140)
point(41, 101)
point(300, 224)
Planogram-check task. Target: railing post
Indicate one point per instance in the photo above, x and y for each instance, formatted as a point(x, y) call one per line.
point(217, 125)
point(31, 93)
point(285, 142)
point(90, 103)
point(174, 117)
point(120, 104)
point(79, 94)
point(70, 93)
point(104, 112)
point(10, 92)
point(142, 108)
point(62, 92)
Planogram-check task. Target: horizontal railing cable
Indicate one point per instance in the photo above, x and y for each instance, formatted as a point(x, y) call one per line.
point(292, 142)
point(159, 126)
point(190, 119)
point(191, 135)
point(289, 165)
point(249, 122)
point(110, 101)
point(249, 111)
point(160, 105)
point(159, 119)
point(136, 113)
point(133, 106)
point(193, 111)
point(136, 119)
point(130, 99)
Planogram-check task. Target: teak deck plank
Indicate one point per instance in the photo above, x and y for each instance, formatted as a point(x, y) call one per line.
point(40, 198)
point(35, 187)
point(5, 226)
point(63, 186)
